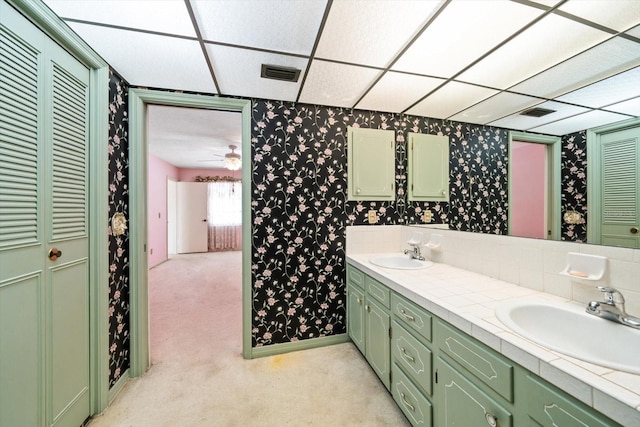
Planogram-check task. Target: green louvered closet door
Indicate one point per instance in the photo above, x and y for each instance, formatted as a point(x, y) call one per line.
point(44, 303)
point(620, 161)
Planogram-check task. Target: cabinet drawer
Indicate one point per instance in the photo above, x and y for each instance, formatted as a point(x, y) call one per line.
point(377, 291)
point(550, 407)
point(355, 276)
point(412, 402)
point(412, 356)
point(412, 315)
point(486, 365)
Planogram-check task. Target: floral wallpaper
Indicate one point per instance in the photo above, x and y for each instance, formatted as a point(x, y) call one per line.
point(574, 184)
point(118, 245)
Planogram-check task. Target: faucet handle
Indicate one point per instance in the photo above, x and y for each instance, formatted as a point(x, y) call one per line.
point(611, 295)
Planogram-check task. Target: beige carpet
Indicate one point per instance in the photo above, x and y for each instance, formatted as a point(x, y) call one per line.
point(199, 378)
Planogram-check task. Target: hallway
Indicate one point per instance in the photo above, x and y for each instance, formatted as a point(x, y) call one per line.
point(199, 378)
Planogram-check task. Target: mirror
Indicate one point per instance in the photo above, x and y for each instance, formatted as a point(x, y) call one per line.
point(481, 185)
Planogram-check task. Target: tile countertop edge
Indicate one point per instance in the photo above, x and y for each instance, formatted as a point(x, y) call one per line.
point(582, 380)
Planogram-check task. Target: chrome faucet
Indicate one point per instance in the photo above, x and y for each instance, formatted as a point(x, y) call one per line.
point(415, 252)
point(612, 308)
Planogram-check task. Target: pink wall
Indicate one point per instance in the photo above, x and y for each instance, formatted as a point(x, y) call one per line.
point(159, 171)
point(528, 189)
point(189, 175)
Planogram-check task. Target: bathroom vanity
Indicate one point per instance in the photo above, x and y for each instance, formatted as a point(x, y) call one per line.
point(432, 338)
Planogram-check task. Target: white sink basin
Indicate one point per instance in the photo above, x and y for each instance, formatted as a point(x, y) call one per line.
point(399, 262)
point(568, 329)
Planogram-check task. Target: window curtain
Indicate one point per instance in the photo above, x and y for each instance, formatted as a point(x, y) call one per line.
point(224, 216)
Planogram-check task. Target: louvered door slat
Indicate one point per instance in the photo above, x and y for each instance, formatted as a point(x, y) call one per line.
point(69, 134)
point(18, 141)
point(619, 203)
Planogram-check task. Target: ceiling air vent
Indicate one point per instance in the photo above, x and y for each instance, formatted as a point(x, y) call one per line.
point(536, 112)
point(280, 73)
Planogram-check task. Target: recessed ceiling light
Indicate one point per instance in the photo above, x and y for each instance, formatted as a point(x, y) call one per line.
point(276, 72)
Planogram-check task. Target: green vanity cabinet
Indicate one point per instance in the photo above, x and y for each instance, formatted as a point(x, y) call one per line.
point(442, 376)
point(368, 321)
point(371, 164)
point(462, 403)
point(548, 406)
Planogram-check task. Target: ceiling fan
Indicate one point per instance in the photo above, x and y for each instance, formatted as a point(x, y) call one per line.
point(232, 160)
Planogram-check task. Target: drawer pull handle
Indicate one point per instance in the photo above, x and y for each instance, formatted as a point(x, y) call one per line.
point(407, 316)
point(407, 404)
point(407, 356)
point(491, 420)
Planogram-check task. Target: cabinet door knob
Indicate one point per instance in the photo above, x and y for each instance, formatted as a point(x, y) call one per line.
point(54, 254)
point(357, 191)
point(491, 420)
point(634, 230)
point(367, 307)
point(359, 300)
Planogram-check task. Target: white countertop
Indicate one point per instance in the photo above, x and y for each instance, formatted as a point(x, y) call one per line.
point(467, 300)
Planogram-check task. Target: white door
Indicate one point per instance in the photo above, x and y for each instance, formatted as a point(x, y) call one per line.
point(44, 299)
point(192, 217)
point(620, 195)
point(172, 232)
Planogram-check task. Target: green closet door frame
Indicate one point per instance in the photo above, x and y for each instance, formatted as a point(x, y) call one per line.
point(38, 13)
point(553, 162)
point(139, 291)
point(594, 175)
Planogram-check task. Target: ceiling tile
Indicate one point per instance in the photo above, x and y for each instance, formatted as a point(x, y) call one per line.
point(580, 122)
point(623, 16)
point(396, 91)
point(631, 107)
point(520, 122)
point(545, 44)
point(635, 32)
point(286, 26)
point(606, 92)
point(462, 33)
point(451, 99)
point(337, 85)
point(165, 16)
point(494, 108)
point(150, 60)
point(371, 46)
point(604, 60)
point(238, 73)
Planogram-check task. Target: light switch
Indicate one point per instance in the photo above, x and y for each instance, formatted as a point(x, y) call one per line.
point(427, 216)
point(373, 217)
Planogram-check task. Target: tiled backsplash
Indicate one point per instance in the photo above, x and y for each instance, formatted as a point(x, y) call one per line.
point(535, 264)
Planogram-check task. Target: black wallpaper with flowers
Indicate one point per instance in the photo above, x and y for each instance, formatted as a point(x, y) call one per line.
point(118, 147)
point(574, 184)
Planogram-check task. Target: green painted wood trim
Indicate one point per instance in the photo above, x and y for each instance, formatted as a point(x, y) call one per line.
point(61, 33)
point(139, 296)
point(554, 160)
point(118, 386)
point(275, 349)
point(594, 175)
point(99, 239)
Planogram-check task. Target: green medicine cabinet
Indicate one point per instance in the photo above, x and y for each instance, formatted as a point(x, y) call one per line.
point(428, 168)
point(371, 164)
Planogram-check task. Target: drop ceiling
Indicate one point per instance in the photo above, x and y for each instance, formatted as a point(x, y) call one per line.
point(481, 61)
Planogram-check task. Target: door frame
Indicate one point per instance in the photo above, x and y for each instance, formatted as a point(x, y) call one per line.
point(554, 151)
point(48, 22)
point(594, 175)
point(139, 285)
